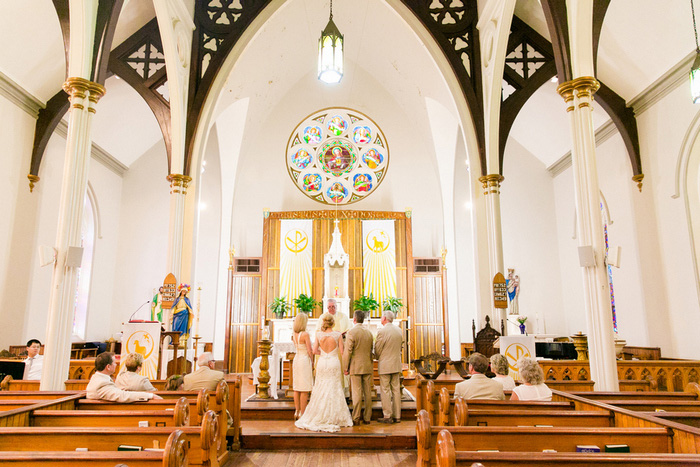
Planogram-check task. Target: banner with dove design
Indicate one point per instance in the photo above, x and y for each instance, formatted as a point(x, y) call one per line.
point(379, 260)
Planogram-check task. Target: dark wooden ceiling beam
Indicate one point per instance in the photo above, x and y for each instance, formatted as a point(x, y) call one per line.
point(218, 27)
point(454, 29)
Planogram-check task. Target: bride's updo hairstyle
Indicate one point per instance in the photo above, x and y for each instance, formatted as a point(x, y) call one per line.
point(328, 321)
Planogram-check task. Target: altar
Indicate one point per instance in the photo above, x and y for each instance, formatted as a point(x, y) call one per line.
point(342, 255)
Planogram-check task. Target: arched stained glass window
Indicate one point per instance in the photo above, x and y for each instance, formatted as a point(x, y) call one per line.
point(337, 156)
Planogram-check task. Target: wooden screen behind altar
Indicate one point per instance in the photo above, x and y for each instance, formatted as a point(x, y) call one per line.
point(350, 225)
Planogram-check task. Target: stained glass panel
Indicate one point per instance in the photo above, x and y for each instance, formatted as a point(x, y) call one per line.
point(337, 156)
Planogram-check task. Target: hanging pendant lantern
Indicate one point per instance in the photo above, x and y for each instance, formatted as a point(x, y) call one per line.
point(330, 53)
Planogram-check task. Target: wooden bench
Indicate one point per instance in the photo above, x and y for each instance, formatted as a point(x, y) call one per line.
point(447, 456)
point(441, 409)
point(466, 416)
point(175, 453)
point(203, 440)
point(525, 439)
point(637, 395)
point(654, 405)
point(180, 416)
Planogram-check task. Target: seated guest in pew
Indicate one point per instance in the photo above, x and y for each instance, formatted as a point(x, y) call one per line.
point(533, 387)
point(205, 377)
point(131, 380)
point(34, 362)
point(101, 386)
point(499, 365)
point(175, 383)
point(478, 386)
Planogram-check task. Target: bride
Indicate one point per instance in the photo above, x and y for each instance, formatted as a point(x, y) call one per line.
point(327, 410)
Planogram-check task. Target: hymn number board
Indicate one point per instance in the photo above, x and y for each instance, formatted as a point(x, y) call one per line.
point(500, 291)
point(169, 291)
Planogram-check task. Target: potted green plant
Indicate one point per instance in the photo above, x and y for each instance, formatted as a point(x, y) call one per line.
point(392, 304)
point(365, 303)
point(279, 307)
point(305, 303)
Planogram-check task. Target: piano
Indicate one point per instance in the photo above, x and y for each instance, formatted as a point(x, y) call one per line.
point(556, 350)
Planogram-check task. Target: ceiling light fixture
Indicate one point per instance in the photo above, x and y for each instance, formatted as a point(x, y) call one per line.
point(695, 69)
point(330, 53)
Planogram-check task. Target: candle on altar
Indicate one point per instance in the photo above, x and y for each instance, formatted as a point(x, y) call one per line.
point(336, 290)
point(199, 305)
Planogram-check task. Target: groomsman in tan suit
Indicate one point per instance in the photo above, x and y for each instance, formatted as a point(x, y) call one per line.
point(387, 350)
point(357, 362)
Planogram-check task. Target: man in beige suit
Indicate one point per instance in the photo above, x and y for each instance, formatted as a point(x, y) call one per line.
point(478, 386)
point(387, 350)
point(206, 377)
point(357, 362)
point(101, 386)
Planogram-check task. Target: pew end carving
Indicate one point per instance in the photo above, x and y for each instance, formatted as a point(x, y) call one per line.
point(445, 450)
point(176, 450)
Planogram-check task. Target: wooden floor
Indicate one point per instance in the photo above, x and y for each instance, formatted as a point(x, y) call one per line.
point(270, 426)
point(340, 458)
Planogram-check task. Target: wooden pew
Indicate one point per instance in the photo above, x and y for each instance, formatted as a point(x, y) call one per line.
point(175, 453)
point(525, 439)
point(465, 416)
point(654, 405)
point(636, 395)
point(685, 439)
point(571, 385)
point(34, 395)
point(203, 440)
point(447, 456)
point(441, 408)
point(180, 416)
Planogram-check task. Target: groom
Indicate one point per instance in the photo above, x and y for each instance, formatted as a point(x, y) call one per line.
point(357, 362)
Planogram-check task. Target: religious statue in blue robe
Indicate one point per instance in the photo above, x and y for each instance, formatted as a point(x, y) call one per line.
point(182, 315)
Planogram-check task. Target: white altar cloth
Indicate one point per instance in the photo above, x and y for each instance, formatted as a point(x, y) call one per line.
point(279, 351)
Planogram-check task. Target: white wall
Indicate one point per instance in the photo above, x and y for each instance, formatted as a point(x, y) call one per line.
point(107, 187)
point(19, 214)
point(529, 232)
point(263, 182)
point(143, 236)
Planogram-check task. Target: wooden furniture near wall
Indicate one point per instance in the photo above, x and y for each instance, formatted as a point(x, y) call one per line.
point(641, 353)
point(484, 339)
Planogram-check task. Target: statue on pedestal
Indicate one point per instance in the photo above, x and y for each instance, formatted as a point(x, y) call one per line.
point(182, 314)
point(513, 286)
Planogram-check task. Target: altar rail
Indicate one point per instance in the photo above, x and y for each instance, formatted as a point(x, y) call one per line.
point(669, 375)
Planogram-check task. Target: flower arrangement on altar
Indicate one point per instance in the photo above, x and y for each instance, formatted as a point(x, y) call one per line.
point(522, 319)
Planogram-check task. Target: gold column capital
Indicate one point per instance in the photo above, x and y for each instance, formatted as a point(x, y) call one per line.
point(178, 183)
point(583, 86)
point(491, 183)
point(78, 86)
point(33, 180)
point(638, 178)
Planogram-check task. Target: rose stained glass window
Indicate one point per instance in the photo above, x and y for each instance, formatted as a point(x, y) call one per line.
point(337, 156)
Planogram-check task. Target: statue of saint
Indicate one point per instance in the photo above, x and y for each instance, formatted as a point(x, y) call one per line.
point(182, 314)
point(513, 285)
point(157, 306)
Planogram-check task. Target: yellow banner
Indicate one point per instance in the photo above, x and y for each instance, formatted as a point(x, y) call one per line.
point(143, 338)
point(295, 258)
point(379, 260)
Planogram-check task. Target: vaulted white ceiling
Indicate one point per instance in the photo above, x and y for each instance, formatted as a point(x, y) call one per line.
point(640, 41)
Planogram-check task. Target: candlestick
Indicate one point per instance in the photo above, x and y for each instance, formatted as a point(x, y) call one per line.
point(199, 305)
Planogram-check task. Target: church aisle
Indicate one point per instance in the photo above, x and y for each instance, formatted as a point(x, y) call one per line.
point(338, 457)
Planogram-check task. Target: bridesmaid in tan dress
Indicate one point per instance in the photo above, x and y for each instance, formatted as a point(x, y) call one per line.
point(302, 367)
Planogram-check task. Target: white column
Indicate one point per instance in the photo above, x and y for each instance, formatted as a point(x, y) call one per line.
point(578, 95)
point(492, 194)
point(178, 193)
point(84, 95)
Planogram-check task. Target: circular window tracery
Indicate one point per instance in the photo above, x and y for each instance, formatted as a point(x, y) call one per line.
point(337, 156)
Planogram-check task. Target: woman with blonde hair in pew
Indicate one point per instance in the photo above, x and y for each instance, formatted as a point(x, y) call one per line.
point(533, 387)
point(131, 380)
point(499, 365)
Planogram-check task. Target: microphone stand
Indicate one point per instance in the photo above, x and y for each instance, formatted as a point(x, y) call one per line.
point(137, 310)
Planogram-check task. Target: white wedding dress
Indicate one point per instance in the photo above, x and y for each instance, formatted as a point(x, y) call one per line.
point(327, 409)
